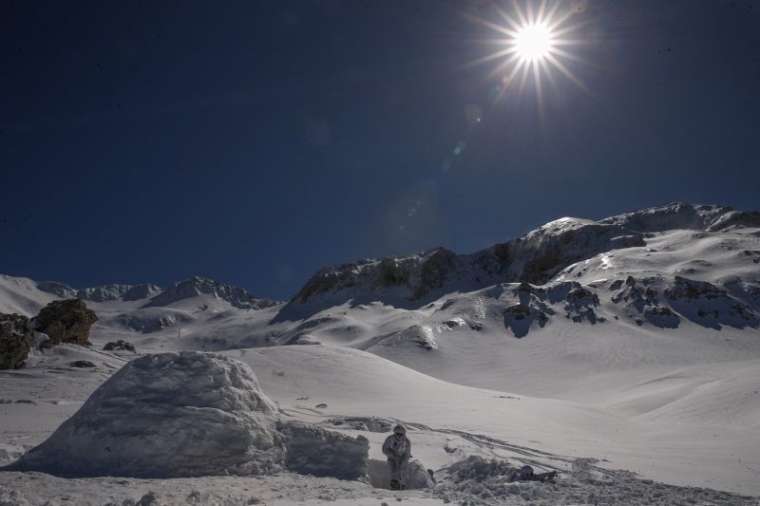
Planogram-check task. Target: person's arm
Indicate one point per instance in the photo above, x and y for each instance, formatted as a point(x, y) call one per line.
point(387, 450)
point(408, 449)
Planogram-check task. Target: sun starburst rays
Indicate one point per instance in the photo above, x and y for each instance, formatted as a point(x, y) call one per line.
point(530, 45)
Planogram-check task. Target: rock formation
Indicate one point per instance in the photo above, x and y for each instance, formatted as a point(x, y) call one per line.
point(65, 321)
point(15, 340)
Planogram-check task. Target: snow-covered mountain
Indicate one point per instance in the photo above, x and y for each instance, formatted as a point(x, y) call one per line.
point(535, 257)
point(660, 268)
point(634, 338)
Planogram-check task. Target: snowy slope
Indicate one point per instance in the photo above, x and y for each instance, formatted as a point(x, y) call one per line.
point(634, 338)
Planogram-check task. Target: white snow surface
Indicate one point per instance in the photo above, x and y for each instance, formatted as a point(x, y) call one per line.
point(645, 358)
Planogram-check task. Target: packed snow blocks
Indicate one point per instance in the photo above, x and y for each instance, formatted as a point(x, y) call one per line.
point(189, 414)
point(319, 452)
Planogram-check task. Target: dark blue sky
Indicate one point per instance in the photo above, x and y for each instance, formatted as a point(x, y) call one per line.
point(254, 142)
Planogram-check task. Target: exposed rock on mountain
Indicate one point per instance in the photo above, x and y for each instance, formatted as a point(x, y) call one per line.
point(677, 215)
point(418, 335)
point(537, 257)
point(709, 305)
point(60, 289)
point(195, 286)
point(120, 345)
point(142, 291)
point(542, 253)
point(736, 219)
point(118, 292)
point(663, 302)
point(65, 321)
point(148, 320)
point(15, 340)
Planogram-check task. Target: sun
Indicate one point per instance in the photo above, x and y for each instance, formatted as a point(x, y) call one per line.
point(533, 42)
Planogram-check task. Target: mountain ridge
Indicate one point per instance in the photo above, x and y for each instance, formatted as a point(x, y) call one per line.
point(535, 257)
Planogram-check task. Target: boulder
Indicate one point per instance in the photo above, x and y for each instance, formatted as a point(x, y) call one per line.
point(120, 345)
point(65, 321)
point(16, 340)
point(82, 364)
point(167, 415)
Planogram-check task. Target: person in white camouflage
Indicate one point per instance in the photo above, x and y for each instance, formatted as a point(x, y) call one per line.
point(398, 449)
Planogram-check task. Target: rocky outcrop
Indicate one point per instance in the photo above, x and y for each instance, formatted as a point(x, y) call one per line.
point(677, 215)
point(521, 317)
point(415, 276)
point(112, 292)
point(16, 338)
point(149, 320)
point(435, 271)
point(59, 289)
point(709, 305)
point(196, 286)
point(421, 336)
point(542, 253)
point(82, 364)
point(65, 321)
point(736, 219)
point(142, 291)
point(534, 258)
point(664, 301)
point(120, 345)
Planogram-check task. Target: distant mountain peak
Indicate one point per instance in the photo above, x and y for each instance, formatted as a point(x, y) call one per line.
point(191, 287)
point(199, 285)
point(102, 293)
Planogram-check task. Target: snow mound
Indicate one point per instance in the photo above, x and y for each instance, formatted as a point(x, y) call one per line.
point(482, 482)
point(416, 476)
point(167, 415)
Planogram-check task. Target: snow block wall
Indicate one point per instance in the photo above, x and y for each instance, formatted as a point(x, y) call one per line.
point(168, 415)
point(416, 475)
point(319, 452)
